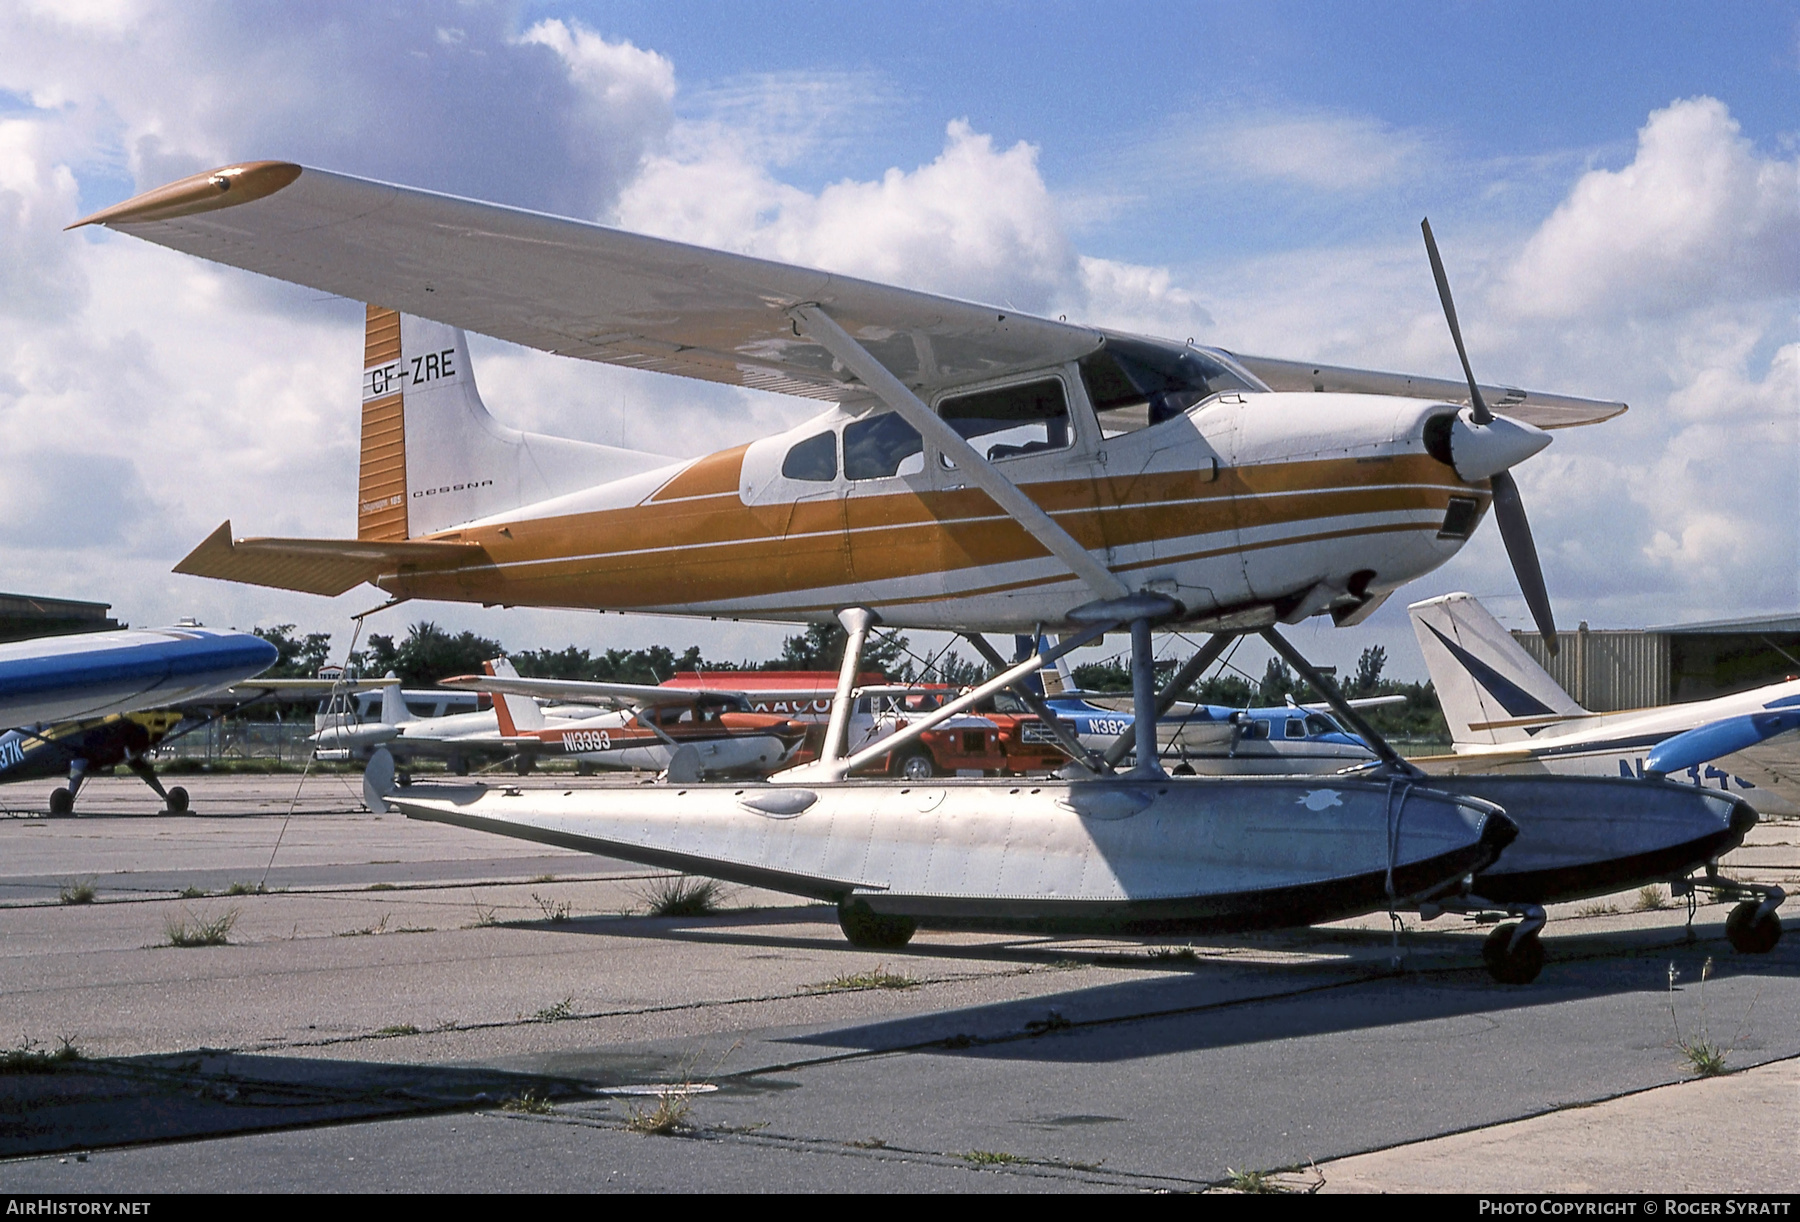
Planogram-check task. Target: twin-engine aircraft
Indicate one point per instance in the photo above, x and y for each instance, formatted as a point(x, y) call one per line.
point(979, 469)
point(1506, 714)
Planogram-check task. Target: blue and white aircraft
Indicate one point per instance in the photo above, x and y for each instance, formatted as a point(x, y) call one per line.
point(1219, 740)
point(1506, 714)
point(80, 702)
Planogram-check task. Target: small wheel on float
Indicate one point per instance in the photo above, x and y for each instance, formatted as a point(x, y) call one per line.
point(1748, 935)
point(178, 801)
point(1510, 964)
point(915, 766)
point(62, 802)
point(403, 779)
point(870, 930)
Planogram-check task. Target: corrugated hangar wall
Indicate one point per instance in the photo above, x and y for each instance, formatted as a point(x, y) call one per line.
point(1607, 669)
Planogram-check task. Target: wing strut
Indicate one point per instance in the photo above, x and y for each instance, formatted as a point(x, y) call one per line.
point(825, 332)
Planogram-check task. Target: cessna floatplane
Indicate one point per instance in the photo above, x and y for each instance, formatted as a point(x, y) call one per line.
point(978, 469)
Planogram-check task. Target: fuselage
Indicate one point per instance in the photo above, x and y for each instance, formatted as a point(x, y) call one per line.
point(1300, 502)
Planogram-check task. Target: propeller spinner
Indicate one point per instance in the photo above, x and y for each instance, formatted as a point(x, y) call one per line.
point(1500, 434)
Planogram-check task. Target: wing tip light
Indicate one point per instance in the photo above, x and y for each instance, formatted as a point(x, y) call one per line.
point(205, 192)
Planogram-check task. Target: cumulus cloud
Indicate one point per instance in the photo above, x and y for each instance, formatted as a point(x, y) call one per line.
point(1696, 215)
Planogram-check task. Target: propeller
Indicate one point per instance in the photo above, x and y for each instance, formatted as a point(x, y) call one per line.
point(1509, 510)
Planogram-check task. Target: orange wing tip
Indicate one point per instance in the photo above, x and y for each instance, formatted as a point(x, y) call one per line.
point(208, 192)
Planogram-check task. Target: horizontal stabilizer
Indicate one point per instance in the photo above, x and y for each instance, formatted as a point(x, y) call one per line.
point(1706, 743)
point(319, 566)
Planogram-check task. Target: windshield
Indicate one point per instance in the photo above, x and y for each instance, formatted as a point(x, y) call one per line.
point(1135, 383)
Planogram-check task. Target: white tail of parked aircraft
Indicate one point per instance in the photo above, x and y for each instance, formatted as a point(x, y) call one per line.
point(1506, 714)
point(432, 456)
point(1491, 690)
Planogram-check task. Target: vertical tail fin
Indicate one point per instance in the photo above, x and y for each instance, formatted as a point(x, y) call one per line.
point(432, 456)
point(393, 704)
point(1490, 688)
point(517, 714)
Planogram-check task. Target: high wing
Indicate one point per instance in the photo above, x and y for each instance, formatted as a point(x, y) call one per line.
point(1533, 407)
point(585, 290)
point(581, 691)
point(577, 288)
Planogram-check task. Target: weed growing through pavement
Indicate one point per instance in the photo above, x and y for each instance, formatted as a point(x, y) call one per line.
point(393, 1029)
point(556, 1013)
point(1704, 1055)
point(877, 977)
point(484, 918)
point(1253, 1182)
point(679, 895)
point(379, 927)
point(555, 911)
point(247, 889)
point(1175, 954)
point(989, 1158)
point(77, 891)
point(190, 930)
point(668, 1116)
point(531, 1102)
point(192, 893)
point(1597, 910)
point(31, 1057)
point(381, 887)
point(544, 878)
point(1651, 898)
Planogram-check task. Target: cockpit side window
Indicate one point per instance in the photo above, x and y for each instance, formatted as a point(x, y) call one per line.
point(1318, 725)
point(814, 459)
point(1014, 420)
point(1134, 384)
point(882, 446)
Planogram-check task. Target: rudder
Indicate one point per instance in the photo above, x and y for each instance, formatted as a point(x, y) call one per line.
point(1491, 690)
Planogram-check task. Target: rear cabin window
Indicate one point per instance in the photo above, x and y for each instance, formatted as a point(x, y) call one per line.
point(1014, 420)
point(882, 446)
point(814, 459)
point(1133, 384)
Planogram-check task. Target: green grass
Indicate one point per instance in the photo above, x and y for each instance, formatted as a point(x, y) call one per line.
point(1597, 910)
point(189, 930)
point(368, 931)
point(192, 893)
point(381, 887)
point(247, 889)
point(394, 1029)
point(555, 911)
point(77, 891)
point(1651, 898)
point(877, 977)
point(485, 918)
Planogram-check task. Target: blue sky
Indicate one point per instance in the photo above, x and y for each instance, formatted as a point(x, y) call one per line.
point(1616, 189)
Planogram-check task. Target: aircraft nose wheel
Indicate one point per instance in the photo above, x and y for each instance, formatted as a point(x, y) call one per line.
point(62, 802)
point(870, 930)
point(178, 800)
point(1511, 962)
point(1751, 936)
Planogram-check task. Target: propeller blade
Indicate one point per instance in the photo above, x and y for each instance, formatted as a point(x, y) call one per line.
point(1480, 414)
point(1509, 512)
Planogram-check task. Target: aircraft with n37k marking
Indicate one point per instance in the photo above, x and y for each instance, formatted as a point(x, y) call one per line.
point(976, 469)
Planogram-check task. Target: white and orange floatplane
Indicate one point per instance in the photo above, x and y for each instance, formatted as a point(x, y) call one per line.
point(977, 469)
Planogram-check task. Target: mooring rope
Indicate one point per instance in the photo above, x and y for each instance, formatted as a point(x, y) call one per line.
point(330, 703)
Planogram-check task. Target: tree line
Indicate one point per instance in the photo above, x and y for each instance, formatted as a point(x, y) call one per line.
point(428, 654)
